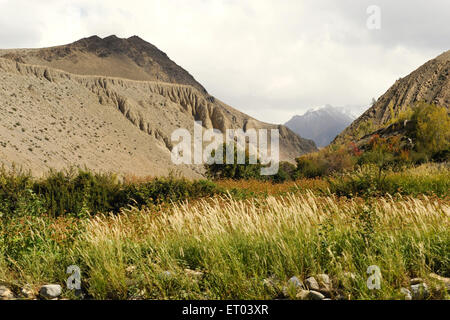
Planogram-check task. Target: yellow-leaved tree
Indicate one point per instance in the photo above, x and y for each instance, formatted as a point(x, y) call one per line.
point(433, 127)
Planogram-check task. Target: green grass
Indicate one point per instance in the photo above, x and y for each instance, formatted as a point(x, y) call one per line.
point(367, 181)
point(236, 241)
point(236, 244)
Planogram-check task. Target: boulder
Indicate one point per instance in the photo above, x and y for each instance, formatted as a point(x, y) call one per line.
point(445, 281)
point(415, 281)
point(50, 291)
point(5, 293)
point(420, 291)
point(193, 273)
point(312, 284)
point(28, 292)
point(303, 294)
point(296, 283)
point(315, 295)
point(325, 284)
point(406, 293)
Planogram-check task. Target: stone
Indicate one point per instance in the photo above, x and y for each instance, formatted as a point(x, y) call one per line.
point(28, 292)
point(443, 280)
point(315, 295)
point(5, 293)
point(415, 281)
point(50, 291)
point(312, 284)
point(324, 279)
point(167, 274)
point(325, 284)
point(193, 273)
point(420, 291)
point(130, 270)
point(270, 283)
point(350, 275)
point(296, 283)
point(303, 294)
point(406, 293)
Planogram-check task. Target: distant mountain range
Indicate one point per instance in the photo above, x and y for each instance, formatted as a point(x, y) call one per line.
point(321, 124)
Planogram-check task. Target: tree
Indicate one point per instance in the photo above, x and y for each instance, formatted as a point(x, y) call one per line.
point(433, 128)
point(234, 170)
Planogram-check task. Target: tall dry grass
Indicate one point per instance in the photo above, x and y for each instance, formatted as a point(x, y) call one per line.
point(238, 244)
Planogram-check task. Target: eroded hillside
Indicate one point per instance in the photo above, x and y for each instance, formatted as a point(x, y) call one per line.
point(430, 83)
point(55, 119)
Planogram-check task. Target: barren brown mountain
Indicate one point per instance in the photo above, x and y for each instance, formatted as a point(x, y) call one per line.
point(430, 83)
point(108, 104)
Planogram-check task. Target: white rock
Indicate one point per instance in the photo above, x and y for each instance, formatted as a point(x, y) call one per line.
point(445, 281)
point(193, 273)
point(314, 295)
point(5, 293)
point(296, 283)
point(324, 279)
point(50, 291)
point(324, 284)
point(406, 293)
point(420, 291)
point(303, 294)
point(312, 284)
point(28, 292)
point(130, 270)
point(350, 275)
point(415, 281)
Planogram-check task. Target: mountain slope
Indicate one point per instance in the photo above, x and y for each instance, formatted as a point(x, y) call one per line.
point(321, 125)
point(131, 58)
point(54, 119)
point(429, 83)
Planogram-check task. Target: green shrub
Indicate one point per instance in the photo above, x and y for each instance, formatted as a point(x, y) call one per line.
point(160, 190)
point(234, 170)
point(78, 193)
point(81, 193)
point(366, 181)
point(16, 195)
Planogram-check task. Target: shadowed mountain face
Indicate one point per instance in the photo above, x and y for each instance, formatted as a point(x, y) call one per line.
point(321, 125)
point(430, 83)
point(109, 104)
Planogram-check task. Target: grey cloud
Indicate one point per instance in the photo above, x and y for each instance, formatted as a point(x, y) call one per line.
point(271, 59)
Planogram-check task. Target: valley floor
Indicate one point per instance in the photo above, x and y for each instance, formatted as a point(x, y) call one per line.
point(228, 247)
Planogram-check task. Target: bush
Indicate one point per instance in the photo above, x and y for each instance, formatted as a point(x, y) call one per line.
point(161, 190)
point(365, 181)
point(327, 161)
point(433, 127)
point(78, 193)
point(286, 172)
point(234, 170)
point(81, 193)
point(16, 195)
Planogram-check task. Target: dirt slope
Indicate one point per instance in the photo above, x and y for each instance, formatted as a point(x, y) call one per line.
point(53, 118)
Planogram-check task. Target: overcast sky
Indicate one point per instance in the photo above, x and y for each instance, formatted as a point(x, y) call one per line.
point(270, 59)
